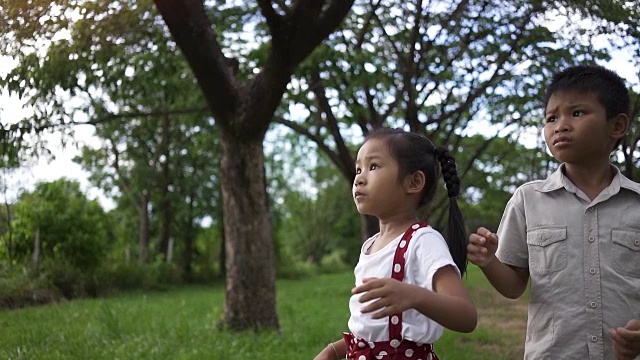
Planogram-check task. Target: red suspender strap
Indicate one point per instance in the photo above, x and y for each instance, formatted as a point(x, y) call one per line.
point(395, 320)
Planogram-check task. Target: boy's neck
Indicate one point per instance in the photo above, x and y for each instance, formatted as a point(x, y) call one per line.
point(591, 180)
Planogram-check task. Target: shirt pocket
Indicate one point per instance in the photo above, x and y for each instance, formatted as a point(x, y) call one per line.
point(547, 249)
point(626, 252)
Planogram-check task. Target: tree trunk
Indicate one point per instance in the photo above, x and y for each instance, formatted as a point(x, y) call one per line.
point(9, 230)
point(250, 264)
point(187, 254)
point(223, 254)
point(165, 201)
point(143, 231)
point(37, 248)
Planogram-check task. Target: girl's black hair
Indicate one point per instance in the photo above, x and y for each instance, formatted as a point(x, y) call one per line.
point(415, 152)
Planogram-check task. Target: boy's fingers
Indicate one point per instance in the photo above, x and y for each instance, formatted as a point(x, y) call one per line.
point(475, 250)
point(633, 325)
point(483, 232)
point(476, 239)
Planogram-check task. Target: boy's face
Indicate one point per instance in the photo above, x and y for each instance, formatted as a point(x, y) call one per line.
point(576, 128)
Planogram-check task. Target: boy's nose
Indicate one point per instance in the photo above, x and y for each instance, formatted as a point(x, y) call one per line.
point(561, 125)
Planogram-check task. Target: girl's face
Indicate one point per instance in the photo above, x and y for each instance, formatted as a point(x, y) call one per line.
point(377, 190)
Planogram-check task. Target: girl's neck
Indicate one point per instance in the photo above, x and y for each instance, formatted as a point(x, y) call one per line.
point(390, 229)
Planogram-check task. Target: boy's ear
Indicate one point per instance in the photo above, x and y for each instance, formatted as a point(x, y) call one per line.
point(619, 126)
point(414, 183)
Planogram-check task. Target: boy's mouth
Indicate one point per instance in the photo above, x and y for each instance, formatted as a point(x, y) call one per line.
point(561, 140)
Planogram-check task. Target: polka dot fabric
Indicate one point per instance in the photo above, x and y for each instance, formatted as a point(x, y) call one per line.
point(359, 349)
point(396, 348)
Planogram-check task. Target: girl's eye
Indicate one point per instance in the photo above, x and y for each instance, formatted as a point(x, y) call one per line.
point(578, 113)
point(358, 171)
point(373, 167)
point(550, 119)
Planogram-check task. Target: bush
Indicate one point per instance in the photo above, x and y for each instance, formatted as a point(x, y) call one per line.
point(20, 287)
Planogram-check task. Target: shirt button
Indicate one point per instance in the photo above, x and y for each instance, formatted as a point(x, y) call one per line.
point(637, 242)
point(593, 304)
point(592, 271)
point(591, 239)
point(394, 343)
point(590, 209)
point(594, 338)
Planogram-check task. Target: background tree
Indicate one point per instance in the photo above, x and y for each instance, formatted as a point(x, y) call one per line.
point(243, 107)
point(441, 68)
point(57, 225)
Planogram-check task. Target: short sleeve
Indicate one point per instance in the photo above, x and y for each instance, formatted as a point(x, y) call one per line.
point(428, 252)
point(512, 232)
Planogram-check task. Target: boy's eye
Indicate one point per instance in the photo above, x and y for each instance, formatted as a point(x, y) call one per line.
point(358, 171)
point(550, 119)
point(578, 113)
point(373, 167)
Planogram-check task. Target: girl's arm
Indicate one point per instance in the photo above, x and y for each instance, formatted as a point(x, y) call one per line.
point(449, 304)
point(333, 351)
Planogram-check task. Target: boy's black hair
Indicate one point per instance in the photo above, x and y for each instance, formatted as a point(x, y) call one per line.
point(415, 152)
point(608, 87)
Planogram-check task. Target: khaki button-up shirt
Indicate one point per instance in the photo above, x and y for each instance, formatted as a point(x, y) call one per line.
point(583, 258)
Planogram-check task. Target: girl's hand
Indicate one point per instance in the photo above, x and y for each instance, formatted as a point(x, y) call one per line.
point(626, 340)
point(391, 296)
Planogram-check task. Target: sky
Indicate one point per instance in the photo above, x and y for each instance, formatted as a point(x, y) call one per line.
point(43, 170)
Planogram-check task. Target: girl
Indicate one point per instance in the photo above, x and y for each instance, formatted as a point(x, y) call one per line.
point(408, 278)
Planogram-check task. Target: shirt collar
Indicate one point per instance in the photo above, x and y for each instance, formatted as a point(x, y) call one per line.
point(557, 180)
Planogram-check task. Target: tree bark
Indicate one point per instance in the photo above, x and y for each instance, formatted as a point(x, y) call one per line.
point(37, 248)
point(9, 229)
point(165, 200)
point(143, 230)
point(187, 254)
point(250, 291)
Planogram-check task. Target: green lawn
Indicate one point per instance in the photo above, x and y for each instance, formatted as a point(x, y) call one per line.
point(181, 324)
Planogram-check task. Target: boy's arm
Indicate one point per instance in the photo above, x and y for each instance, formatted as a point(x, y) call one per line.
point(510, 281)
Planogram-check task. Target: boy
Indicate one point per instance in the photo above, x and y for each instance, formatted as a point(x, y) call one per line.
point(575, 234)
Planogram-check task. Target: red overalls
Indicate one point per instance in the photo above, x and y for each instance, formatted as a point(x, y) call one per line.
point(396, 348)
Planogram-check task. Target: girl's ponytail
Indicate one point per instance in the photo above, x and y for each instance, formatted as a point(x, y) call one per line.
point(457, 237)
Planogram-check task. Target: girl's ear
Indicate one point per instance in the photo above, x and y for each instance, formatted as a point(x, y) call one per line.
point(414, 183)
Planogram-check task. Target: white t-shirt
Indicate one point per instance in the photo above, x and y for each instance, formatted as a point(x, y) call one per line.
point(427, 252)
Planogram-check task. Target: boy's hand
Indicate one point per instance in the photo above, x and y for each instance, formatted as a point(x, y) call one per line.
point(482, 247)
point(626, 340)
point(391, 296)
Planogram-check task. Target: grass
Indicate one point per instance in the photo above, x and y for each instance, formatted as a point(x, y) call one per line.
point(181, 324)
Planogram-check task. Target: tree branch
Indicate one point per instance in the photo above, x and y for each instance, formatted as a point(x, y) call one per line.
point(274, 21)
point(335, 159)
point(188, 23)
